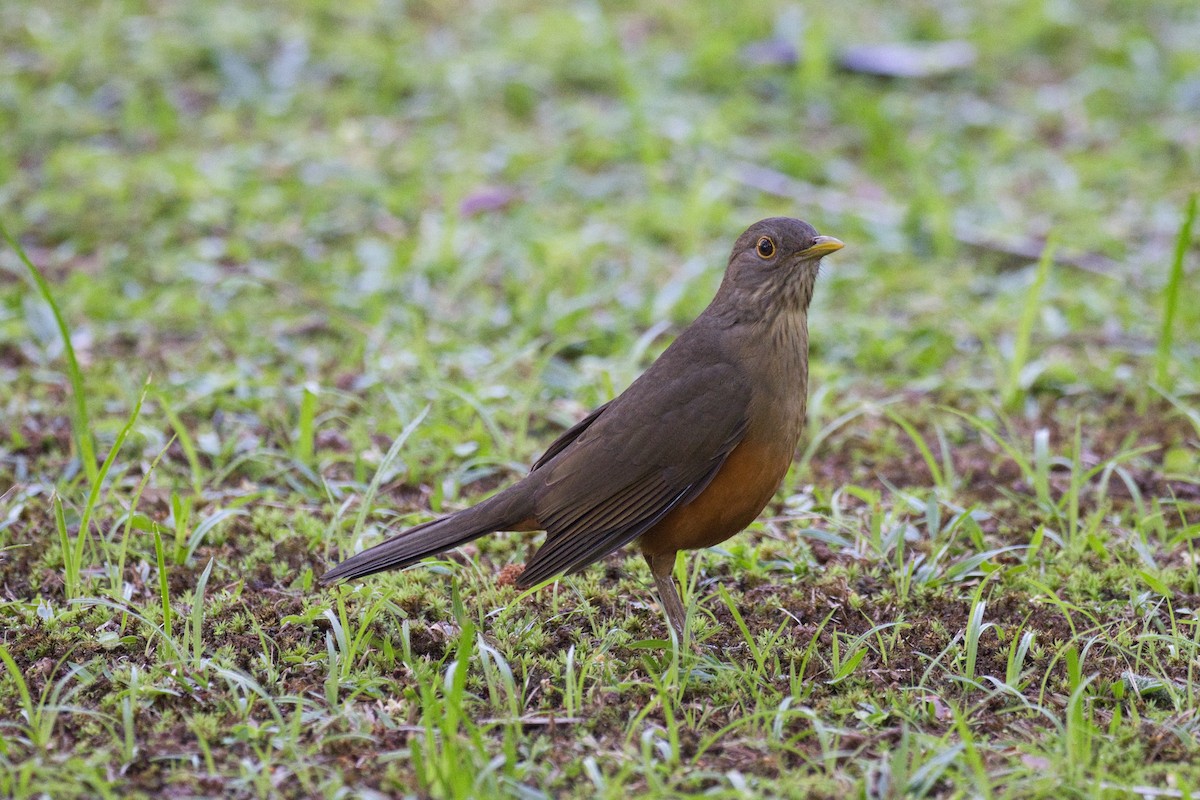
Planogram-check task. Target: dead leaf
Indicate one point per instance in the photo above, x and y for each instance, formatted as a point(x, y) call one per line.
point(908, 60)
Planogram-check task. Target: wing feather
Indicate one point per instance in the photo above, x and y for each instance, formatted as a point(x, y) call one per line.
point(568, 437)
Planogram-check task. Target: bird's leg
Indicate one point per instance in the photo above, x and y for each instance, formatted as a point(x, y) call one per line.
point(662, 565)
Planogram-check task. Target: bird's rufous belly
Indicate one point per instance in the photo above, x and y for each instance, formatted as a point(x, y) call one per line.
point(735, 497)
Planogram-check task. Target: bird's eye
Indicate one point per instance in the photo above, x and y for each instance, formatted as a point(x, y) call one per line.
point(765, 248)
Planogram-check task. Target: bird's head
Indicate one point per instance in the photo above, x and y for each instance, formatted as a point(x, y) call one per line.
point(774, 264)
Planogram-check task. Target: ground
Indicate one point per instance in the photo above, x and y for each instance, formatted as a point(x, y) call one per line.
point(328, 270)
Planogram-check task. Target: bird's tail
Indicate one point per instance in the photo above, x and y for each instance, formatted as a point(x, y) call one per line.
point(500, 512)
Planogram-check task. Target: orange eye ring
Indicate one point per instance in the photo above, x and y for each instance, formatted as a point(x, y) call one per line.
point(765, 248)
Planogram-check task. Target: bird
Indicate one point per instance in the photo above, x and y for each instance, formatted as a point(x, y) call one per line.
point(685, 458)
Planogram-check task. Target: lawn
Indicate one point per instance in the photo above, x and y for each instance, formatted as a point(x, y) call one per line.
point(328, 270)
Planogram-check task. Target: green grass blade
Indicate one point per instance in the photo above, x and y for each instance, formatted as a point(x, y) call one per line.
point(164, 587)
point(22, 688)
point(197, 616)
point(1162, 358)
point(392, 454)
point(1033, 303)
point(918, 441)
point(305, 428)
point(98, 482)
point(82, 426)
point(70, 565)
point(123, 550)
point(185, 441)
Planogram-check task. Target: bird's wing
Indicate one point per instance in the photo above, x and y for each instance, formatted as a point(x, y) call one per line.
point(654, 448)
point(568, 436)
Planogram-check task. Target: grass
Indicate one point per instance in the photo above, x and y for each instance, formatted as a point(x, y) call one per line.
point(80, 422)
point(306, 275)
point(1162, 362)
point(1029, 313)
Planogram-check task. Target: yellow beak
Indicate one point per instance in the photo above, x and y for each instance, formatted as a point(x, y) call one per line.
point(823, 245)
